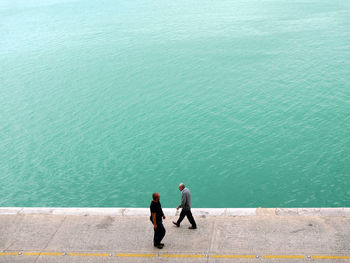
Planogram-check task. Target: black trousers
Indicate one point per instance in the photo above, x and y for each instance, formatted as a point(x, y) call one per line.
point(159, 233)
point(189, 217)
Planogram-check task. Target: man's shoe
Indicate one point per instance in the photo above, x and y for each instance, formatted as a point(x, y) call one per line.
point(159, 246)
point(176, 224)
point(162, 244)
point(191, 227)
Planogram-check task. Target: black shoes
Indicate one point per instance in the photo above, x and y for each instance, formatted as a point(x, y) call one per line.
point(160, 246)
point(178, 225)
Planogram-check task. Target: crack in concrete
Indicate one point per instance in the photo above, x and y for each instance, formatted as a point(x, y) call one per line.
point(48, 242)
point(14, 240)
point(211, 240)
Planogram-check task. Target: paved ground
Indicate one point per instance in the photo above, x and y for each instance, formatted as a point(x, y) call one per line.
point(218, 239)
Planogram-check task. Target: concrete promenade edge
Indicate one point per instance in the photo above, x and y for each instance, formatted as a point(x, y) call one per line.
point(120, 211)
point(37, 235)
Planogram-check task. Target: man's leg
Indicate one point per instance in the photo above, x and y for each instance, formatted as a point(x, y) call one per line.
point(182, 216)
point(161, 231)
point(157, 235)
point(191, 219)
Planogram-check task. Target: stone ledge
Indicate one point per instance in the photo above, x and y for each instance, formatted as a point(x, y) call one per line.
point(287, 211)
point(201, 212)
point(208, 211)
point(241, 211)
point(266, 211)
point(321, 211)
point(10, 210)
point(89, 211)
point(332, 212)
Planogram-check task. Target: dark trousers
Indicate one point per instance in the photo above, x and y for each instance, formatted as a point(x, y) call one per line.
point(189, 217)
point(159, 233)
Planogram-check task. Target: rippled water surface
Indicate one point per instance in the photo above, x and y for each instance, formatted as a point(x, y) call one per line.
point(103, 102)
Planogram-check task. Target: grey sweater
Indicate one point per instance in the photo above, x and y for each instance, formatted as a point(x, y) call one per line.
point(185, 199)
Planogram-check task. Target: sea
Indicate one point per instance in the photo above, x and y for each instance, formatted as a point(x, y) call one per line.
point(104, 102)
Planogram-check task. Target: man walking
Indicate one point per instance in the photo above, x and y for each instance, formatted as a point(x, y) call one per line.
point(156, 218)
point(186, 207)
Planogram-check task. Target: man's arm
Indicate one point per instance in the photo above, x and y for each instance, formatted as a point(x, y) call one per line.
point(183, 201)
point(154, 220)
point(162, 213)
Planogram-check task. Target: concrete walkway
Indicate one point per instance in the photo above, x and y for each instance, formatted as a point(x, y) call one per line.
point(107, 235)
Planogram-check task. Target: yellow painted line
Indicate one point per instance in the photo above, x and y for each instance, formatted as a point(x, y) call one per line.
point(232, 256)
point(89, 254)
point(136, 255)
point(331, 257)
point(31, 254)
point(284, 256)
point(42, 254)
point(8, 253)
point(51, 254)
point(182, 256)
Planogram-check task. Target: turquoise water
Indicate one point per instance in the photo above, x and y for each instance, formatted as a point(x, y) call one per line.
point(103, 102)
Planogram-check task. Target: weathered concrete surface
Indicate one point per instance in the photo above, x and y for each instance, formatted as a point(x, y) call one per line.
point(267, 233)
point(120, 211)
